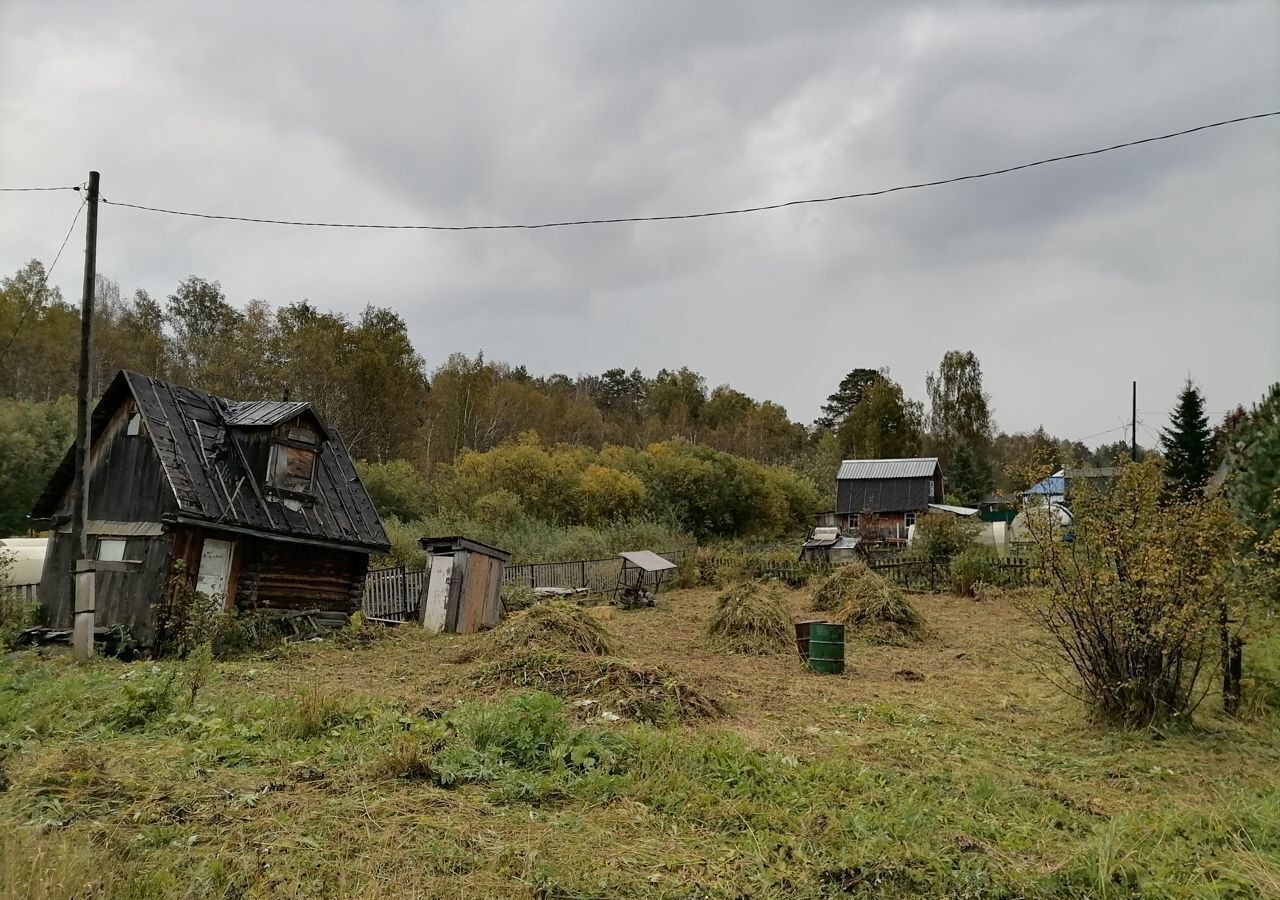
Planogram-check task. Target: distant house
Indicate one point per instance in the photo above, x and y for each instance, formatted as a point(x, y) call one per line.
point(1056, 489)
point(886, 495)
point(258, 500)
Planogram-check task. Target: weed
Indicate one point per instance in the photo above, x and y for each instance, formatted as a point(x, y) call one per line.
point(316, 710)
point(147, 697)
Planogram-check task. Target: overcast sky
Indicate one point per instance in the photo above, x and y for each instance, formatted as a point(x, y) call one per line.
point(1068, 281)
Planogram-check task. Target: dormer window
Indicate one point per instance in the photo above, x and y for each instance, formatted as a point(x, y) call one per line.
point(292, 467)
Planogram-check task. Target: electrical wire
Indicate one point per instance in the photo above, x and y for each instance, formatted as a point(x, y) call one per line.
point(699, 215)
point(22, 189)
point(37, 291)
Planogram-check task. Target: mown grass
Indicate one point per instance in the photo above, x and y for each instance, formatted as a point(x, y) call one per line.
point(353, 772)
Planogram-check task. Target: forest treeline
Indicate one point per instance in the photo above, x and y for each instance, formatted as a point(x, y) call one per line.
point(633, 445)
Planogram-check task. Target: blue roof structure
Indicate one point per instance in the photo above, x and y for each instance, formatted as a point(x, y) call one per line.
point(1054, 484)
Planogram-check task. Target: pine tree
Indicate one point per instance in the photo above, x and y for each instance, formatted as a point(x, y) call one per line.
point(1187, 444)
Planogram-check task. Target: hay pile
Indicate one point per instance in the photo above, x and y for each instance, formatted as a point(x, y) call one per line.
point(643, 693)
point(751, 618)
point(554, 625)
point(875, 609)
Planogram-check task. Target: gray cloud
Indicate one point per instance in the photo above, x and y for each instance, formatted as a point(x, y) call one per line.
point(1068, 281)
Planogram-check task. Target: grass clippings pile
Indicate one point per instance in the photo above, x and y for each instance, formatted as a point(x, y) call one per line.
point(751, 618)
point(554, 625)
point(874, 608)
point(651, 694)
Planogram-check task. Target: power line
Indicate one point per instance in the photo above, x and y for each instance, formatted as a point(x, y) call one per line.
point(701, 215)
point(37, 291)
point(1100, 433)
point(23, 189)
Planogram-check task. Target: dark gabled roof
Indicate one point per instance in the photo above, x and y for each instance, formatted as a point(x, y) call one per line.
point(253, 413)
point(194, 434)
point(883, 495)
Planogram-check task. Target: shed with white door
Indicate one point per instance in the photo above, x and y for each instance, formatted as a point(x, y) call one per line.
point(255, 504)
point(462, 592)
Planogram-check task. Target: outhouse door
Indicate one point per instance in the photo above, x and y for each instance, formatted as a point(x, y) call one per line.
point(436, 602)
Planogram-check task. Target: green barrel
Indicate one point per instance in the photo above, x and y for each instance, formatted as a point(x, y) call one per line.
point(826, 647)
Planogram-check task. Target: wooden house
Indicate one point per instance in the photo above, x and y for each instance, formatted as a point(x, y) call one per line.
point(883, 497)
point(259, 501)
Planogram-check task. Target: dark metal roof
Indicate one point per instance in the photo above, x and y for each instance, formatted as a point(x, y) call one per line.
point(919, 467)
point(883, 495)
point(209, 476)
point(262, 413)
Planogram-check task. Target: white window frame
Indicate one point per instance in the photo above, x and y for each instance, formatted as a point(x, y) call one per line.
point(111, 549)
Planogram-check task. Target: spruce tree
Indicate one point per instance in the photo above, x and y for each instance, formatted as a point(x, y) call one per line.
point(1187, 444)
point(969, 477)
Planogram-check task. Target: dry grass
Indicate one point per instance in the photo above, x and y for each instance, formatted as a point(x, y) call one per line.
point(751, 618)
point(874, 609)
point(840, 587)
point(981, 780)
point(652, 694)
point(553, 625)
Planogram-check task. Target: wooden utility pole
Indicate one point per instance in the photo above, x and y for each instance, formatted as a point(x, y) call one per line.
point(82, 572)
point(1133, 447)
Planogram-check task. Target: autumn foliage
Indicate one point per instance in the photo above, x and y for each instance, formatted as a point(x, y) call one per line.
point(1136, 595)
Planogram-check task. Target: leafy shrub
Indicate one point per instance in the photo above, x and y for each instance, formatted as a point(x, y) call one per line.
point(396, 488)
point(498, 508)
point(940, 535)
point(1135, 599)
point(16, 613)
point(525, 734)
point(751, 618)
point(147, 698)
point(972, 567)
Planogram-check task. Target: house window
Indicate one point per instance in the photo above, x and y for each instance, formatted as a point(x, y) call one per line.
point(910, 519)
point(292, 469)
point(111, 550)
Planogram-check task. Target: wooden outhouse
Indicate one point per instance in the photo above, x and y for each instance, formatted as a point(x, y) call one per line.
point(258, 501)
point(462, 592)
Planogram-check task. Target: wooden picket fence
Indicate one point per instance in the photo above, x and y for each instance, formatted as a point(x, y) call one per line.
point(24, 592)
point(935, 574)
point(393, 593)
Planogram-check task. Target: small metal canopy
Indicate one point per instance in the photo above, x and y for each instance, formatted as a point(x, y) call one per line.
point(640, 568)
